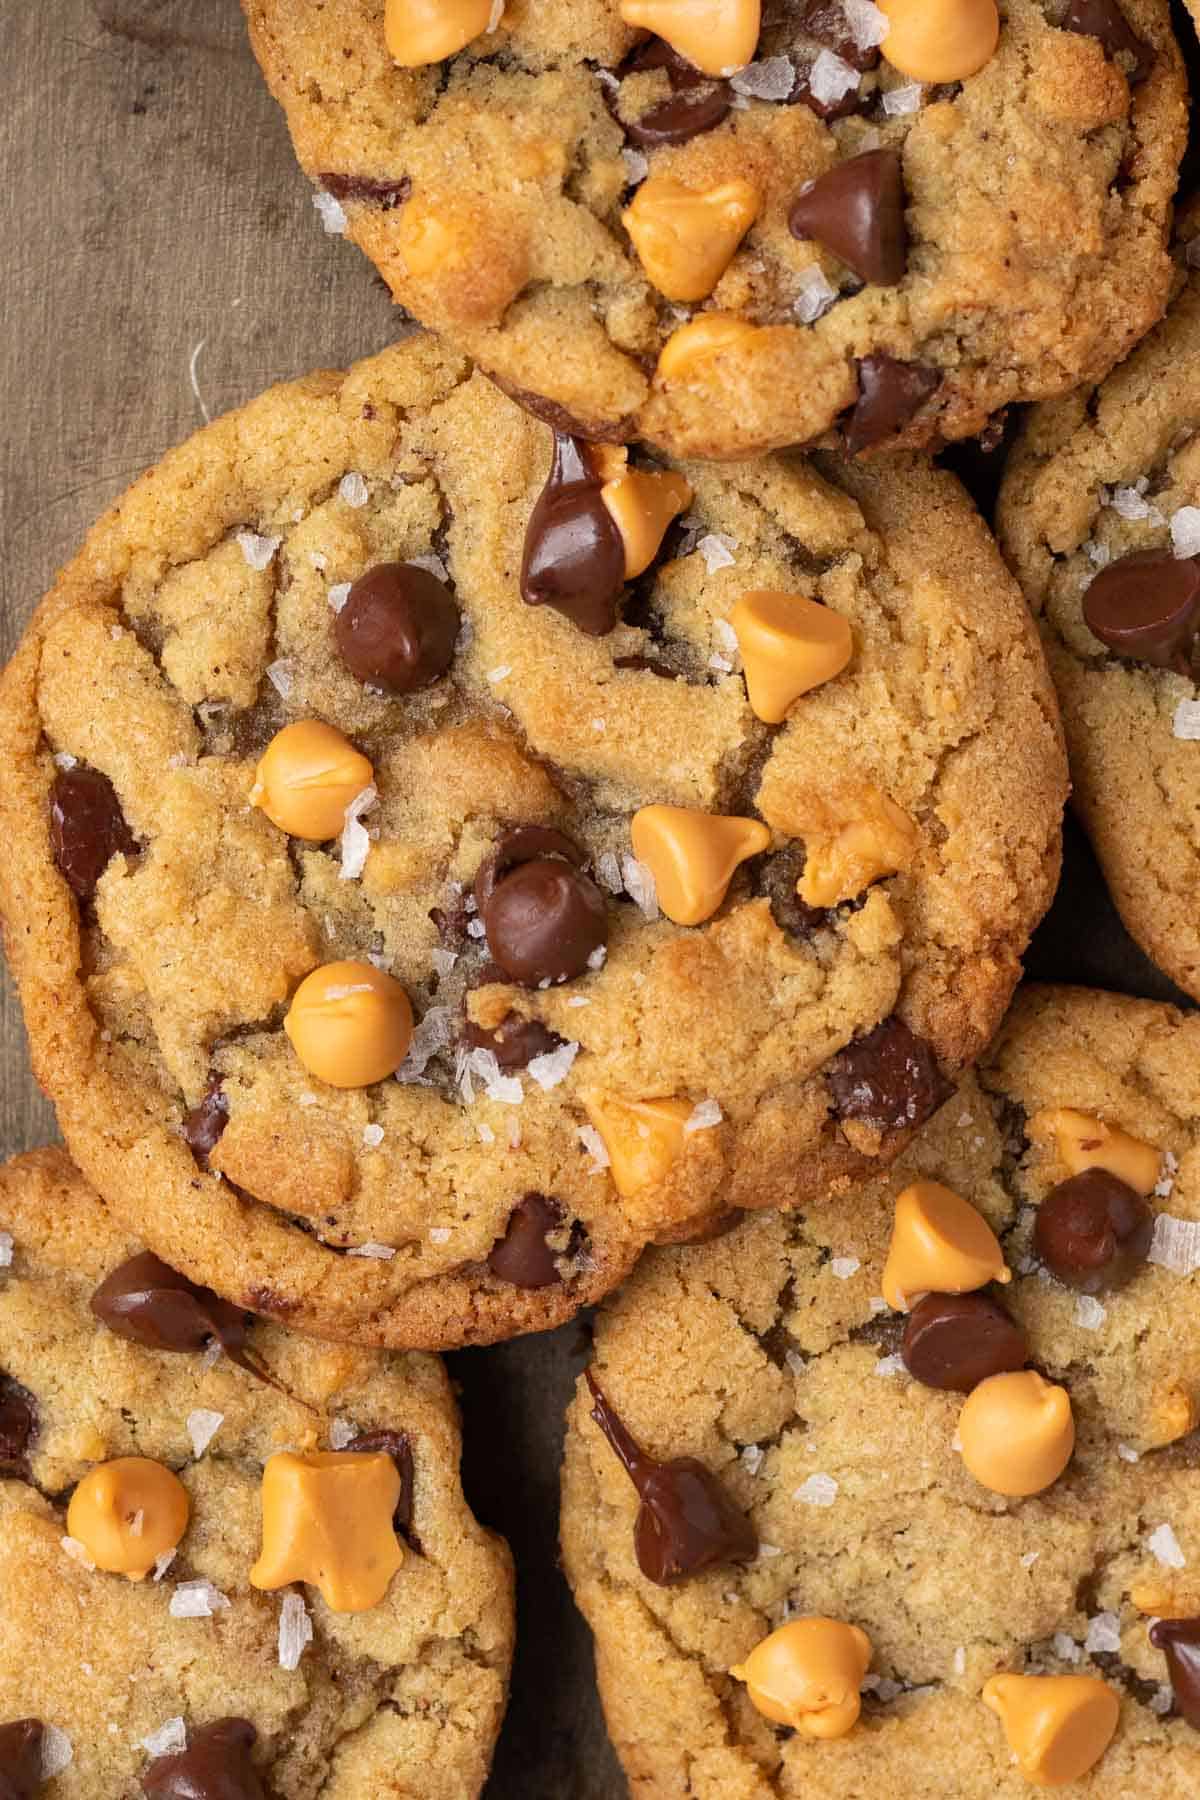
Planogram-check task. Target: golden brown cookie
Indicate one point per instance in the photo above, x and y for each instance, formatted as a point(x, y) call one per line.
point(301, 792)
point(799, 231)
point(1001, 1482)
point(167, 1624)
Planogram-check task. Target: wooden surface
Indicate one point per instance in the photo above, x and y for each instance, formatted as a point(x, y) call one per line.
point(163, 263)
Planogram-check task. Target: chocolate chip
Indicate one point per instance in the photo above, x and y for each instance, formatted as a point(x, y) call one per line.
point(384, 194)
point(888, 1079)
point(148, 1302)
point(776, 877)
point(1103, 19)
point(856, 210)
point(956, 1341)
point(515, 1041)
point(826, 21)
point(21, 1759)
point(544, 921)
point(678, 118)
point(574, 558)
point(523, 843)
point(398, 628)
point(203, 1126)
point(522, 1256)
point(1179, 1641)
point(850, 102)
point(87, 828)
point(18, 1426)
point(396, 1445)
point(216, 1765)
point(1093, 1232)
point(890, 393)
point(686, 1521)
point(1145, 607)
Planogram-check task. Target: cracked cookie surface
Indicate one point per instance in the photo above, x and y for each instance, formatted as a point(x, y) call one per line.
point(489, 192)
point(405, 1698)
point(197, 621)
point(770, 1356)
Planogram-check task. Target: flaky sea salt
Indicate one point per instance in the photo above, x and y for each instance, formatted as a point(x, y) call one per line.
point(295, 1631)
point(64, 760)
point(844, 1267)
point(331, 213)
point(353, 489)
point(341, 1433)
point(830, 79)
point(703, 1116)
point(890, 1365)
point(638, 882)
point(203, 1426)
point(717, 550)
point(1162, 1699)
point(77, 1552)
point(1089, 1314)
point(814, 295)
point(373, 1252)
point(1097, 553)
point(1128, 1454)
point(162, 1563)
point(434, 1032)
point(1029, 1558)
point(960, 1661)
point(794, 1361)
point(899, 101)
point(868, 25)
point(1185, 531)
point(772, 79)
point(608, 872)
point(818, 1490)
point(485, 1134)
point(721, 664)
point(372, 1136)
point(500, 673)
point(1103, 1633)
point(1186, 721)
point(1175, 1244)
point(356, 841)
point(598, 957)
point(878, 1304)
point(636, 166)
point(439, 1234)
point(752, 1458)
point(1166, 1181)
point(552, 1067)
point(197, 1600)
point(595, 1146)
point(6, 1249)
point(1163, 1544)
point(58, 1752)
point(1129, 502)
point(257, 550)
point(1065, 1648)
point(167, 1740)
point(279, 674)
point(482, 1065)
point(338, 595)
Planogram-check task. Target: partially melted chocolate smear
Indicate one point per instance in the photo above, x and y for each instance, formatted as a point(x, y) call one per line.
point(148, 1302)
point(396, 1445)
point(574, 558)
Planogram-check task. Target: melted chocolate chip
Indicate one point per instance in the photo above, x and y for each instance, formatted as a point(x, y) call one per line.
point(888, 1079)
point(21, 1759)
point(856, 210)
point(216, 1765)
point(1103, 19)
point(544, 921)
point(776, 877)
point(1145, 607)
point(890, 393)
point(384, 194)
point(148, 1302)
point(1093, 1232)
point(87, 828)
point(203, 1126)
point(686, 113)
point(550, 412)
point(686, 1521)
point(956, 1341)
point(522, 1256)
point(1179, 1641)
point(18, 1427)
point(574, 559)
point(398, 628)
point(524, 843)
point(396, 1445)
point(515, 1041)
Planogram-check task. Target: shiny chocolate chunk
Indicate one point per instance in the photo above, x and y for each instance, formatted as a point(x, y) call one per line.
point(18, 1426)
point(21, 1759)
point(1179, 1641)
point(396, 1445)
point(574, 559)
point(890, 393)
point(398, 627)
point(203, 1126)
point(686, 1521)
point(544, 922)
point(87, 828)
point(1093, 1232)
point(1103, 19)
point(384, 194)
point(856, 210)
point(217, 1765)
point(148, 1302)
point(955, 1341)
point(515, 1041)
point(888, 1079)
point(1145, 607)
point(522, 1256)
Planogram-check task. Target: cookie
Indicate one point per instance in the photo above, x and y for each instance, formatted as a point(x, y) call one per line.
point(1099, 517)
point(947, 1510)
point(235, 1563)
point(659, 897)
point(766, 224)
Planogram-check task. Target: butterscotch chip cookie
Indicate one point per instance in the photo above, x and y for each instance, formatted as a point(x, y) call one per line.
point(726, 227)
point(864, 1548)
point(170, 1625)
point(414, 909)
point(1100, 517)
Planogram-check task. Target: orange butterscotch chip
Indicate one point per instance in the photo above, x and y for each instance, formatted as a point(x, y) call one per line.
point(1057, 1726)
point(306, 778)
point(808, 1674)
point(718, 36)
point(641, 504)
point(418, 32)
point(1087, 1143)
point(686, 237)
point(844, 852)
point(1017, 1433)
point(700, 340)
point(327, 1520)
point(940, 1245)
point(693, 855)
point(127, 1513)
point(350, 1024)
point(789, 645)
point(940, 40)
point(643, 1137)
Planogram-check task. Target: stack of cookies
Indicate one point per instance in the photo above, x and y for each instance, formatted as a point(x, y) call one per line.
point(551, 817)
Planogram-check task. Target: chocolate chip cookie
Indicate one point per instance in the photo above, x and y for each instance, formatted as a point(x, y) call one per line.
point(235, 1564)
point(1100, 517)
point(900, 1492)
point(443, 858)
point(725, 226)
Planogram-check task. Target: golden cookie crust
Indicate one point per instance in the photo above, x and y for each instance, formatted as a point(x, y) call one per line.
point(405, 1698)
point(183, 967)
point(763, 1355)
point(1038, 191)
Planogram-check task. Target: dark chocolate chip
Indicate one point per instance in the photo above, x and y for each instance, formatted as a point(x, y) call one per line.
point(18, 1426)
point(87, 827)
point(1093, 1232)
point(890, 393)
point(524, 843)
point(686, 1521)
point(515, 1041)
point(574, 558)
point(544, 921)
point(679, 117)
point(148, 1302)
point(396, 1445)
point(888, 1079)
point(398, 628)
point(1179, 1641)
point(1145, 607)
point(522, 1256)
point(21, 1759)
point(216, 1765)
point(956, 1341)
point(203, 1126)
point(856, 209)
point(826, 22)
point(384, 194)
point(1103, 19)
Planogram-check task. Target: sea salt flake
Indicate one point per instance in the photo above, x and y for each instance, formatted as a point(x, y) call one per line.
point(1186, 721)
point(703, 1116)
point(476, 929)
point(197, 1600)
point(772, 79)
point(1128, 1454)
point(960, 1661)
point(295, 1631)
point(1089, 1314)
point(1162, 1700)
point(64, 760)
point(439, 1234)
point(725, 635)
point(514, 1132)
point(341, 1433)
point(1128, 503)
point(434, 1032)
point(636, 166)
point(638, 882)
point(899, 101)
point(77, 1552)
point(890, 1365)
point(372, 1136)
point(553, 1066)
point(353, 489)
point(331, 213)
point(594, 1144)
point(818, 1490)
point(794, 1361)
point(1175, 1244)
point(162, 1563)
point(279, 674)
point(844, 1267)
point(752, 1458)
point(1065, 1648)
point(6, 1249)
point(203, 1426)
point(830, 79)
point(338, 594)
point(375, 1252)
point(1097, 553)
point(767, 1551)
point(579, 1000)
point(500, 673)
point(814, 295)
point(167, 1740)
point(257, 550)
point(1029, 1558)
point(608, 873)
point(495, 16)
point(598, 957)
point(717, 549)
point(868, 25)
point(721, 664)
point(1185, 531)
point(1166, 1180)
point(485, 1134)
point(878, 1304)
point(443, 960)
point(1103, 1633)
point(355, 839)
point(1163, 1544)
